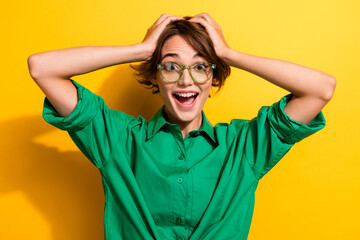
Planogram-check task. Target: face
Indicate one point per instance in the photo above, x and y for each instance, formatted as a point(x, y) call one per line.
point(184, 99)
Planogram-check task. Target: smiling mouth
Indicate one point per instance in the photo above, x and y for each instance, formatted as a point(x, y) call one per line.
point(186, 99)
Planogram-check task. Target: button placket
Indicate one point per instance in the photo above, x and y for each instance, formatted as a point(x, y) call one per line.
point(180, 188)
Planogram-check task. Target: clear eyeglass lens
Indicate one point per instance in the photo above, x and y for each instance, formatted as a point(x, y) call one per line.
point(201, 71)
point(171, 71)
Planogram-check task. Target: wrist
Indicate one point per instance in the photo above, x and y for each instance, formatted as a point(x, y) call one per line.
point(226, 55)
point(145, 50)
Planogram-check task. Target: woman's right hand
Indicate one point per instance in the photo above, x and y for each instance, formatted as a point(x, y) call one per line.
point(153, 33)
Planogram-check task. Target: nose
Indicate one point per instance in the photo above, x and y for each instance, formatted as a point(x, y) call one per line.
point(186, 79)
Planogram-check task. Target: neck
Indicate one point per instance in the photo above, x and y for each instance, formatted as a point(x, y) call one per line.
point(185, 127)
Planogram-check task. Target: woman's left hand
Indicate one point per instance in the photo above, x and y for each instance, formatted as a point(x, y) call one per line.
point(215, 32)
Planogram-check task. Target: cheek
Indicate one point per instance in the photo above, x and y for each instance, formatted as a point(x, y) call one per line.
point(164, 91)
point(207, 87)
point(205, 93)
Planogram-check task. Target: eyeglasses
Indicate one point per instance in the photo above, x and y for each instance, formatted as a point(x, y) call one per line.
point(199, 72)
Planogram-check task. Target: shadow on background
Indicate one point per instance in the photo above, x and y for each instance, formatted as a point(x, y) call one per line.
point(122, 92)
point(64, 186)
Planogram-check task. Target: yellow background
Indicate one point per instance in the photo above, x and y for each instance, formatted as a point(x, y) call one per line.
point(49, 190)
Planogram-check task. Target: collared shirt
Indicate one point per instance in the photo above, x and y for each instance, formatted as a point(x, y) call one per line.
point(159, 185)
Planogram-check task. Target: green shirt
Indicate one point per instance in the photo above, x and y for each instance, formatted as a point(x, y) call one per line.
point(160, 186)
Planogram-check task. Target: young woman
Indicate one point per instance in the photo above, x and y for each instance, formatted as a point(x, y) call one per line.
point(176, 176)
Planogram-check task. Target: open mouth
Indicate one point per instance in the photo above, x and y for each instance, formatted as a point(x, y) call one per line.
point(185, 99)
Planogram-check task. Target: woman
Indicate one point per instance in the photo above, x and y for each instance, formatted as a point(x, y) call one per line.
point(177, 176)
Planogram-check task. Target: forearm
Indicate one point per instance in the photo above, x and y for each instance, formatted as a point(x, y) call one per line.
point(299, 80)
point(65, 63)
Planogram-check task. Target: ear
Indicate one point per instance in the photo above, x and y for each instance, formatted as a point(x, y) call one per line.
point(215, 81)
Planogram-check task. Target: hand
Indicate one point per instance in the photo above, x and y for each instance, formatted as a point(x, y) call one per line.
point(153, 33)
point(214, 31)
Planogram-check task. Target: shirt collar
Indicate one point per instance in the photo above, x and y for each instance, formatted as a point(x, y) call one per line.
point(158, 121)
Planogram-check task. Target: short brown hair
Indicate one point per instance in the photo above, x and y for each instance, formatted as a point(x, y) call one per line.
point(197, 37)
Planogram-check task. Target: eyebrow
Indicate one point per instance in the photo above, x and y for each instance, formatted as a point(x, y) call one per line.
point(175, 55)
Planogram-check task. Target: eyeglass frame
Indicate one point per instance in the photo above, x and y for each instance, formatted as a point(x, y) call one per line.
point(183, 66)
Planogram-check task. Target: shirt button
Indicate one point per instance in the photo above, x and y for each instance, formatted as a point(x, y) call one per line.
point(180, 180)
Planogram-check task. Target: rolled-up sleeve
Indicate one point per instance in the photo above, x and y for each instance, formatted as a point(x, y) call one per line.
point(272, 133)
point(96, 129)
point(86, 109)
point(289, 130)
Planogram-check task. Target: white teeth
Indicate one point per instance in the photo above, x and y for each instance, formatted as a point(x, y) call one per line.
point(186, 94)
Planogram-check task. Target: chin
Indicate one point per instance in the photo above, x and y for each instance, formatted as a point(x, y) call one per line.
point(187, 116)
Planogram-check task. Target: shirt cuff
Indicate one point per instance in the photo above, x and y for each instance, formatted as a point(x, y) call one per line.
point(82, 115)
point(289, 130)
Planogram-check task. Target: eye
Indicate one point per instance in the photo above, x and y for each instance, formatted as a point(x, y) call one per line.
point(171, 66)
point(203, 66)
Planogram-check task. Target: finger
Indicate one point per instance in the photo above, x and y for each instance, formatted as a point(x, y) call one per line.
point(164, 17)
point(207, 17)
point(160, 19)
point(169, 18)
point(201, 21)
point(154, 31)
point(161, 26)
